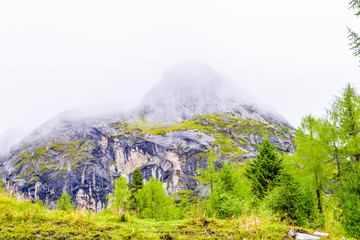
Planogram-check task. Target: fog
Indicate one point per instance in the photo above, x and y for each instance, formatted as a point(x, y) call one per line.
point(105, 56)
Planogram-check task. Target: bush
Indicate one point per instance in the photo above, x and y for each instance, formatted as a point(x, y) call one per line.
point(153, 202)
point(64, 202)
point(293, 203)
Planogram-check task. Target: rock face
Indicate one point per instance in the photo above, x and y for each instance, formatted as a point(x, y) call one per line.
point(187, 90)
point(84, 157)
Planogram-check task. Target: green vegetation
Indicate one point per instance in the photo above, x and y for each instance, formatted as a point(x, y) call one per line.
point(44, 158)
point(120, 194)
point(224, 128)
point(24, 220)
point(136, 185)
point(153, 202)
point(353, 36)
point(316, 187)
point(64, 202)
point(265, 171)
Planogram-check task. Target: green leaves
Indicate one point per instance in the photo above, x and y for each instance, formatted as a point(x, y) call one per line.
point(64, 202)
point(134, 187)
point(120, 194)
point(265, 170)
point(153, 202)
point(353, 36)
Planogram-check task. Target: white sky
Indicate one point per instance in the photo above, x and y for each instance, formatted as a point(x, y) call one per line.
point(59, 55)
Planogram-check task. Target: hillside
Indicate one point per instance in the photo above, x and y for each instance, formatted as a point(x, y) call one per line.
point(84, 156)
point(24, 220)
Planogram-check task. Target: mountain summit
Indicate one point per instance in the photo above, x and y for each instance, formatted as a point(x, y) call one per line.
point(189, 90)
point(84, 156)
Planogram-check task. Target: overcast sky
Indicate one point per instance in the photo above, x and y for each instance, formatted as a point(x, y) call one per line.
point(59, 55)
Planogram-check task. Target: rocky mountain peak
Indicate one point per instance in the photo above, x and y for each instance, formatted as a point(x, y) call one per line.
point(187, 90)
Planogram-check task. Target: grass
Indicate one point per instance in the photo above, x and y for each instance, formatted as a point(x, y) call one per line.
point(226, 129)
point(20, 219)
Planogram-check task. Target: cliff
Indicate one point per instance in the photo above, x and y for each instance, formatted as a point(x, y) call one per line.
point(168, 137)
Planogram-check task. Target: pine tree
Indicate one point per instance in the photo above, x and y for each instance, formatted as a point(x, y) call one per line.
point(134, 187)
point(264, 172)
point(292, 202)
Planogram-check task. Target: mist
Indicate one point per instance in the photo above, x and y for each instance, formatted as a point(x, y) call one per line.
point(105, 57)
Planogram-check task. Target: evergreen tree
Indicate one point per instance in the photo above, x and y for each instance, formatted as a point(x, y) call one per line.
point(265, 170)
point(134, 187)
point(153, 202)
point(64, 202)
point(293, 202)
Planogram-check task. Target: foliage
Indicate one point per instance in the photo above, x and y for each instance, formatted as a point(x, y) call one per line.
point(134, 187)
point(348, 194)
point(328, 150)
point(230, 194)
point(64, 202)
point(293, 202)
point(313, 154)
point(208, 176)
point(153, 202)
point(185, 202)
point(24, 220)
point(120, 194)
point(264, 172)
point(353, 36)
point(345, 116)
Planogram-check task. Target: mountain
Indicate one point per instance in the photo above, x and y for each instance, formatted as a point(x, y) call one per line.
point(188, 115)
point(187, 90)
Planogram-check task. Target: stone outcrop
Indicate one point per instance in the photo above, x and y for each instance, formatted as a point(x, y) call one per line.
point(84, 157)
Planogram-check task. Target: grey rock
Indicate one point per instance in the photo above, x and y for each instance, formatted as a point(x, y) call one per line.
point(304, 236)
point(84, 155)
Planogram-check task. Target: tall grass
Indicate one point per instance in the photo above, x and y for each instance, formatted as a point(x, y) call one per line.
point(21, 219)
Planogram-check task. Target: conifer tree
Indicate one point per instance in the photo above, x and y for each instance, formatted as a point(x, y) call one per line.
point(313, 154)
point(345, 115)
point(264, 172)
point(292, 202)
point(134, 187)
point(353, 36)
